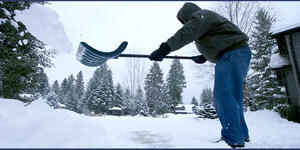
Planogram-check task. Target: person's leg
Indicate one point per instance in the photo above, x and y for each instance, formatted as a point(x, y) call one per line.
point(241, 60)
point(230, 71)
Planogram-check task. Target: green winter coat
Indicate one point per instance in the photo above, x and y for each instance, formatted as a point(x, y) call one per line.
point(212, 33)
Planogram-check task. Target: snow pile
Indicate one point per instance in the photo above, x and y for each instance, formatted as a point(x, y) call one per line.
point(39, 126)
point(278, 61)
point(44, 24)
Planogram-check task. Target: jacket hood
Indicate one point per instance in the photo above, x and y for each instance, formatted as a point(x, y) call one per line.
point(185, 12)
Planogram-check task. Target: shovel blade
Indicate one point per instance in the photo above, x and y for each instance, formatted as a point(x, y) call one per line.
point(91, 57)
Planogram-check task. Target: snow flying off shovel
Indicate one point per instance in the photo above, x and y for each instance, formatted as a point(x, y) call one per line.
point(91, 57)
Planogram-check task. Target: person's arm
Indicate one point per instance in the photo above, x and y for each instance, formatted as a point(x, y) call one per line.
point(197, 26)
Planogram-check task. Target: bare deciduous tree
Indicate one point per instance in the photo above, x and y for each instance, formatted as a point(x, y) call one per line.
point(241, 13)
point(135, 73)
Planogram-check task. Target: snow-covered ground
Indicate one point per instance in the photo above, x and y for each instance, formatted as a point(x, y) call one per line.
point(40, 126)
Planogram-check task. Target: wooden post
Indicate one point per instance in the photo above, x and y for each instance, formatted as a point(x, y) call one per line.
point(293, 60)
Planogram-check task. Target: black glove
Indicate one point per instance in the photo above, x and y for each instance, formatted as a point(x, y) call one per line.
point(200, 59)
point(161, 52)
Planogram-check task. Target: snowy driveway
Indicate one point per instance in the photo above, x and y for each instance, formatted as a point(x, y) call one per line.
point(39, 126)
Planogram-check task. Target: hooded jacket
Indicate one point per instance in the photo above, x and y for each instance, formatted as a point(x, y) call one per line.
point(212, 33)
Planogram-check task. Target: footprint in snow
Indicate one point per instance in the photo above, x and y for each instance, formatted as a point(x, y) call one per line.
point(151, 138)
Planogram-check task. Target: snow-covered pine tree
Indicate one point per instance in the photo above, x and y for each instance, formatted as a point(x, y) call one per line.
point(194, 101)
point(109, 88)
point(140, 103)
point(166, 104)
point(43, 86)
point(154, 89)
point(207, 109)
point(71, 96)
point(91, 87)
point(55, 87)
point(176, 82)
point(128, 99)
point(63, 91)
point(52, 99)
point(100, 93)
point(206, 96)
point(119, 96)
point(1, 75)
point(22, 55)
point(79, 92)
point(264, 90)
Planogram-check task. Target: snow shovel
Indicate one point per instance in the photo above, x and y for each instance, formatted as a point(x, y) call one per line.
point(91, 57)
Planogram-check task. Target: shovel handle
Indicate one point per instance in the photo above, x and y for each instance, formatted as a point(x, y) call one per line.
point(194, 58)
point(147, 56)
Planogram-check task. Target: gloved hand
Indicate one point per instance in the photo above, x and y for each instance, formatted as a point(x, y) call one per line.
point(160, 53)
point(200, 59)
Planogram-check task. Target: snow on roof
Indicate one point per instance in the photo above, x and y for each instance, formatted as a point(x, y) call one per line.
point(188, 108)
point(179, 105)
point(278, 61)
point(61, 105)
point(115, 108)
point(285, 29)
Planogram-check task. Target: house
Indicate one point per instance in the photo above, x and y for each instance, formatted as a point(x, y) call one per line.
point(183, 109)
point(60, 106)
point(287, 63)
point(127, 111)
point(115, 111)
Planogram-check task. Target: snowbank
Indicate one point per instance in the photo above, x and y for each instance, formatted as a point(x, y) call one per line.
point(44, 24)
point(40, 126)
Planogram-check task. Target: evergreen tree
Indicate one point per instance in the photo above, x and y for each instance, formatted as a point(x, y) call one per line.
point(91, 87)
point(166, 105)
point(55, 87)
point(206, 96)
point(119, 96)
point(140, 103)
point(194, 101)
point(128, 99)
point(100, 92)
point(207, 109)
point(79, 92)
point(176, 82)
point(22, 56)
point(52, 99)
point(71, 101)
point(1, 75)
point(42, 87)
point(264, 90)
point(63, 91)
point(154, 89)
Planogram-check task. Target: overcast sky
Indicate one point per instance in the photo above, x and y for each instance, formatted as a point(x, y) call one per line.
point(145, 25)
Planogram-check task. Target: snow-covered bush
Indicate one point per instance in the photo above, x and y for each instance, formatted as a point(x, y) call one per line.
point(290, 112)
point(206, 109)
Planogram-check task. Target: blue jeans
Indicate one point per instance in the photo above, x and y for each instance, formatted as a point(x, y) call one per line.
point(230, 73)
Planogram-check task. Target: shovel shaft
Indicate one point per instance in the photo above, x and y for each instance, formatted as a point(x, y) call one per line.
point(147, 56)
